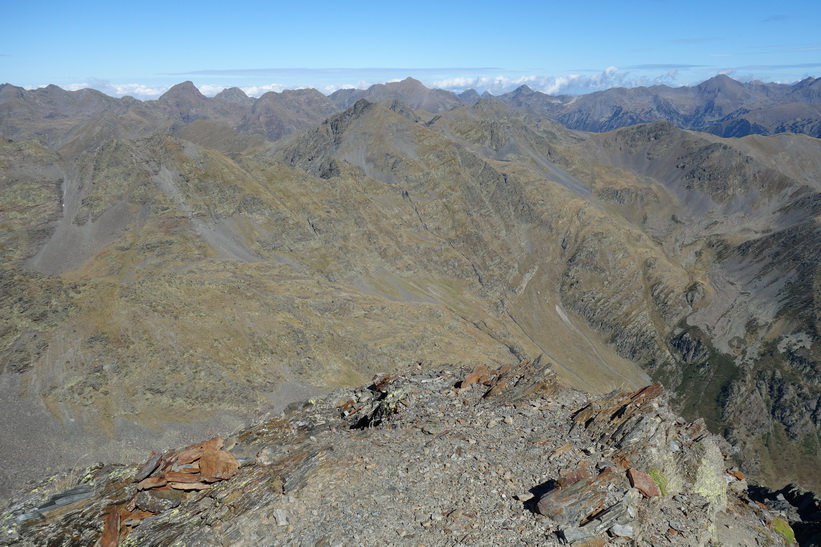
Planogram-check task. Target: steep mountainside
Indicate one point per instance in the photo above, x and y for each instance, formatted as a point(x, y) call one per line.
point(742, 348)
point(171, 268)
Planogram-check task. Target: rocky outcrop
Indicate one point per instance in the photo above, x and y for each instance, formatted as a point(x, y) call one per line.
point(492, 455)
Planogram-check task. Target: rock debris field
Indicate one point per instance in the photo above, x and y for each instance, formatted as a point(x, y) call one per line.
point(445, 457)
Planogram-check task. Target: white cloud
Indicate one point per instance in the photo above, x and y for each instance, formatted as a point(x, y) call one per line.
point(139, 91)
point(494, 84)
point(555, 85)
point(258, 90)
point(328, 89)
point(75, 87)
point(361, 84)
point(210, 90)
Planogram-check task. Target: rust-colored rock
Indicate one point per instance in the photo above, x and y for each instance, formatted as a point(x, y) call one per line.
point(151, 482)
point(187, 456)
point(381, 383)
point(194, 452)
point(737, 474)
point(646, 394)
point(573, 476)
point(525, 380)
point(215, 443)
point(592, 542)
point(619, 417)
point(503, 378)
point(111, 529)
point(576, 503)
point(175, 476)
point(562, 450)
point(643, 483)
point(346, 407)
point(187, 468)
point(479, 375)
point(136, 514)
point(189, 485)
point(216, 465)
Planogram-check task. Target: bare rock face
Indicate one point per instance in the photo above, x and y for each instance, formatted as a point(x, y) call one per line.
point(453, 454)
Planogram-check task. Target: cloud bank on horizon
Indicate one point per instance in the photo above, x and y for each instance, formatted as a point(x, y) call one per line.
point(494, 81)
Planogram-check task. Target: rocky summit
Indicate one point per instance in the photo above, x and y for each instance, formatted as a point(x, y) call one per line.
point(174, 270)
point(451, 456)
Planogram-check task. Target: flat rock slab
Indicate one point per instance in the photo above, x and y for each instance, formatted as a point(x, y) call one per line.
point(217, 465)
point(643, 482)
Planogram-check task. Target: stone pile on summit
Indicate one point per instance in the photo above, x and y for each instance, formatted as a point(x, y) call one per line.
point(452, 456)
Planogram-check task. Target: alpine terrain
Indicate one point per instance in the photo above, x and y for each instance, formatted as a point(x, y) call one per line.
point(184, 269)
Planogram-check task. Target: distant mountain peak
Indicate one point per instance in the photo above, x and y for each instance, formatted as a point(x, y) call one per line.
point(469, 97)
point(184, 89)
point(409, 91)
point(410, 81)
point(9, 90)
point(234, 95)
point(408, 85)
point(343, 119)
point(720, 82)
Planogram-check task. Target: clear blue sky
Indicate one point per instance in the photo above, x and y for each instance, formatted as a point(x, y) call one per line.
point(142, 48)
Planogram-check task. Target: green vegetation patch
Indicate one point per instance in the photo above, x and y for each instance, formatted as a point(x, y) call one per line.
point(702, 391)
point(782, 527)
point(660, 480)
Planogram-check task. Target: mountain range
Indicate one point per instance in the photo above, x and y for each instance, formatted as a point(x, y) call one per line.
point(721, 106)
point(173, 268)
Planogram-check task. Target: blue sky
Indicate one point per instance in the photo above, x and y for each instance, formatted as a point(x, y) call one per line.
point(142, 48)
